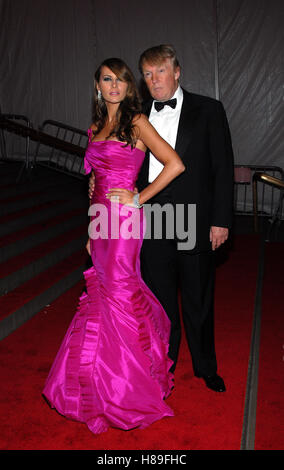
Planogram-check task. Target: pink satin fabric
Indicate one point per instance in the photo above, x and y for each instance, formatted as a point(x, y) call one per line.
point(112, 368)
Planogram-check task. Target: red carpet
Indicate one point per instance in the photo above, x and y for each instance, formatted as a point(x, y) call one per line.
point(203, 419)
point(270, 411)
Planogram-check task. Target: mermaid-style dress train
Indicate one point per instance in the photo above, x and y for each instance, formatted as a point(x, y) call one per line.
point(112, 368)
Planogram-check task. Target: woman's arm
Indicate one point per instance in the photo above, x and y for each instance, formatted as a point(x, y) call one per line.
point(173, 165)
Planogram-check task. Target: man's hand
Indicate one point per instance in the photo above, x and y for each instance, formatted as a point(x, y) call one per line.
point(218, 236)
point(91, 185)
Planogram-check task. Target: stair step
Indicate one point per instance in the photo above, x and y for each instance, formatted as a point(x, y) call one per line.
point(23, 204)
point(17, 248)
point(31, 308)
point(16, 227)
point(43, 230)
point(27, 272)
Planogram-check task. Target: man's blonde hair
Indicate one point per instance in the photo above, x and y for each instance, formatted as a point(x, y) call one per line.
point(157, 54)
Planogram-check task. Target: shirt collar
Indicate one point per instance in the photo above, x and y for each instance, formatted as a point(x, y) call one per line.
point(178, 95)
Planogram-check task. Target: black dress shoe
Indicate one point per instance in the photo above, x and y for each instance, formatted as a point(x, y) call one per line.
point(214, 382)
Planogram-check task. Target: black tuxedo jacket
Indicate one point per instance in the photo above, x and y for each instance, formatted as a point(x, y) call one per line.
point(204, 144)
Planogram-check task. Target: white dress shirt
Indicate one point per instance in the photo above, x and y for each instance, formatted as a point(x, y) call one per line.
point(166, 124)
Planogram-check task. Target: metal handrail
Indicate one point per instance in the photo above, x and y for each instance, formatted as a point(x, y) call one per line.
point(276, 183)
point(60, 158)
point(243, 196)
point(269, 179)
point(56, 142)
point(42, 137)
point(17, 117)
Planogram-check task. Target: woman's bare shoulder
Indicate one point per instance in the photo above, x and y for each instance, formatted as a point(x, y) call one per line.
point(93, 127)
point(140, 119)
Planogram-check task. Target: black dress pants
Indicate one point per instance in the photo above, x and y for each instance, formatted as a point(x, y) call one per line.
point(166, 270)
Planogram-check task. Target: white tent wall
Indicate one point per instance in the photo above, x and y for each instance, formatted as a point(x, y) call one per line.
point(251, 77)
point(228, 49)
point(47, 59)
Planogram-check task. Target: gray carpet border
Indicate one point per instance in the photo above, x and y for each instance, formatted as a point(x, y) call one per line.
point(249, 418)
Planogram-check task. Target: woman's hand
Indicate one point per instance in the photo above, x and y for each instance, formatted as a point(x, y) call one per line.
point(123, 196)
point(91, 185)
point(88, 247)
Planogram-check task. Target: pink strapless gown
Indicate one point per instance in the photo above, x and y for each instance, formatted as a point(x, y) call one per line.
point(112, 368)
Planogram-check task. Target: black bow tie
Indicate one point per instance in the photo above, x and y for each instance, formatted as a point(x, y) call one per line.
point(161, 104)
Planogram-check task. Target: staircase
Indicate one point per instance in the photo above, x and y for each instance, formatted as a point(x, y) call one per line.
point(43, 232)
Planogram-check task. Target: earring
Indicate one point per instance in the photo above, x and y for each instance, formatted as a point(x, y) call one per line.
point(99, 95)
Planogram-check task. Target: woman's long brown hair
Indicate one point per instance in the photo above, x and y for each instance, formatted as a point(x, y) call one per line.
point(130, 107)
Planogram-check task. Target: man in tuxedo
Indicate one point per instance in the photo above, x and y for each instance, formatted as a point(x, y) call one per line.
point(196, 126)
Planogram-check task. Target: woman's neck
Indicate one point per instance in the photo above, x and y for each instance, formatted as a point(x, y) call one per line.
point(111, 112)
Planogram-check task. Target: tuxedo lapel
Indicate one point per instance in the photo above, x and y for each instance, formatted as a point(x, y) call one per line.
point(147, 110)
point(144, 170)
point(147, 107)
point(185, 127)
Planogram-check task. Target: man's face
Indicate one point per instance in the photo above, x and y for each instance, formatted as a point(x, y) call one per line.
point(161, 79)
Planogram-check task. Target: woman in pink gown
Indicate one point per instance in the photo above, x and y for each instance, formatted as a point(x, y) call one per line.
point(112, 368)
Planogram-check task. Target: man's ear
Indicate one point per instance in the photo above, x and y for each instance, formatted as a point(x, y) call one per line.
point(177, 72)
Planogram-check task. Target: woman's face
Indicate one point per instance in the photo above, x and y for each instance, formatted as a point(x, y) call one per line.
point(112, 88)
